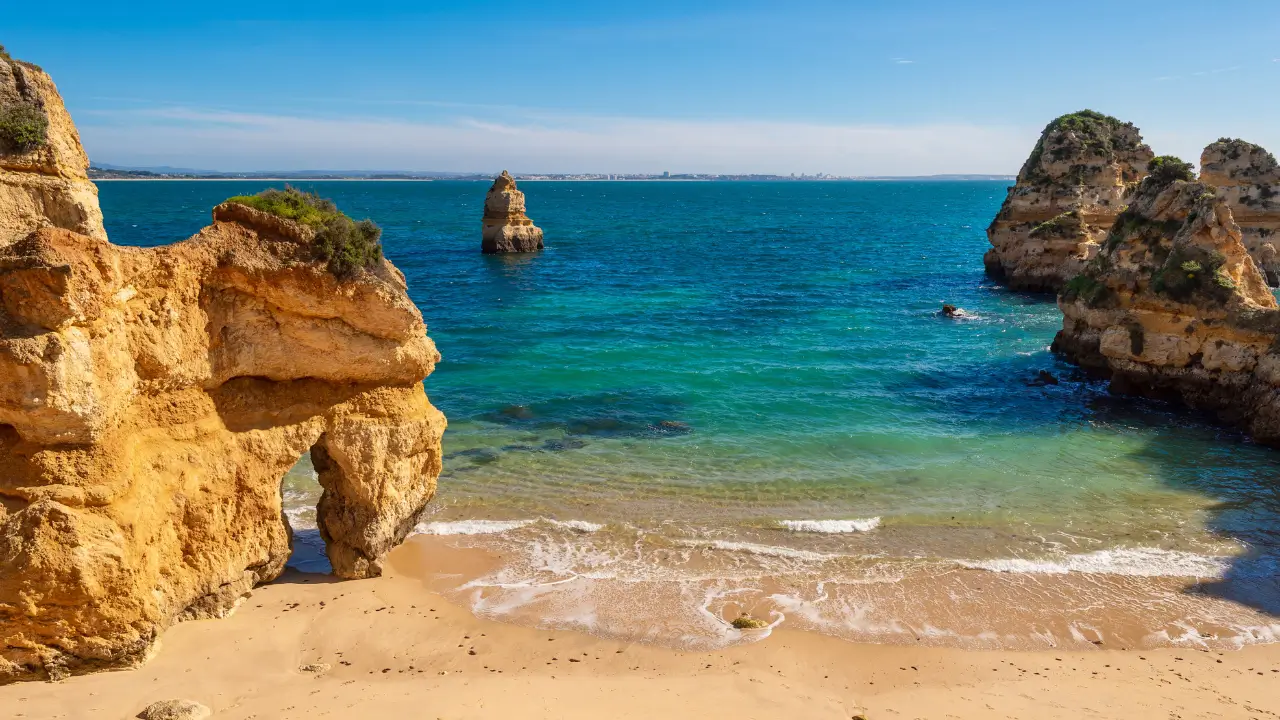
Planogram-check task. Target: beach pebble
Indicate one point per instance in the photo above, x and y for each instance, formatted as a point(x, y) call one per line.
point(175, 710)
point(315, 667)
point(858, 714)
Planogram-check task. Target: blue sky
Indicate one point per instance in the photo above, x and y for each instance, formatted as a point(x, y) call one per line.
point(873, 88)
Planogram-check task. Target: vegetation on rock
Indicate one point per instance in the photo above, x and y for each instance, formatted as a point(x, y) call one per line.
point(4, 54)
point(1092, 131)
point(1165, 169)
point(1088, 289)
point(1066, 224)
point(23, 127)
point(345, 245)
point(1192, 271)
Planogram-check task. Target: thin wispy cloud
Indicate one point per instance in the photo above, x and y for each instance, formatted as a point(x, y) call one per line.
point(903, 61)
point(564, 143)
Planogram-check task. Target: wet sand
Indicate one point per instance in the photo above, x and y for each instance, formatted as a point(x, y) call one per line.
point(394, 649)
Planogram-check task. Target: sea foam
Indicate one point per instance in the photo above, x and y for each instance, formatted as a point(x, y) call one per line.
point(491, 527)
point(831, 527)
point(1134, 562)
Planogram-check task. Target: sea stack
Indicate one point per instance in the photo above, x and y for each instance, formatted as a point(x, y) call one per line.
point(44, 178)
point(1174, 307)
point(1249, 179)
point(506, 228)
point(151, 400)
point(1067, 194)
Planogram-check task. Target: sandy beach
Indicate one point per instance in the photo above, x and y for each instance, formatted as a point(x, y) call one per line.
point(390, 647)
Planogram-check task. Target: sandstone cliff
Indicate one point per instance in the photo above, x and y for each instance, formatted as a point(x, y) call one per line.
point(45, 183)
point(1067, 194)
point(1249, 178)
point(1174, 307)
point(506, 228)
point(151, 401)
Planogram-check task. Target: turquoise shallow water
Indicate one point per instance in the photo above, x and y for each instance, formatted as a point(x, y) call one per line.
point(704, 360)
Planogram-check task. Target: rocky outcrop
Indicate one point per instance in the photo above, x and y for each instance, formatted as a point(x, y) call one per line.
point(1249, 179)
point(46, 184)
point(1174, 307)
point(506, 228)
point(151, 400)
point(1067, 194)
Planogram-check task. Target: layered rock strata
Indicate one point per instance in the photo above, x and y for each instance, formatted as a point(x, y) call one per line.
point(506, 228)
point(1249, 178)
point(151, 401)
point(46, 185)
point(1174, 307)
point(1066, 197)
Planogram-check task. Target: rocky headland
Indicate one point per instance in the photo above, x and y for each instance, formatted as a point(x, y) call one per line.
point(151, 400)
point(506, 228)
point(1174, 307)
point(1249, 179)
point(1066, 197)
point(44, 178)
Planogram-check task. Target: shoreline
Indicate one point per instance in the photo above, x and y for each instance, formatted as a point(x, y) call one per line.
point(390, 645)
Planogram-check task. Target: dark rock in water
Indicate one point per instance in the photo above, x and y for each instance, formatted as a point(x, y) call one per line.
point(951, 311)
point(564, 444)
point(506, 229)
point(674, 426)
point(1042, 378)
point(519, 412)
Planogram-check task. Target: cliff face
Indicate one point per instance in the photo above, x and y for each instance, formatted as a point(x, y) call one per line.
point(1174, 307)
point(46, 185)
point(151, 400)
point(1067, 194)
point(506, 228)
point(1249, 178)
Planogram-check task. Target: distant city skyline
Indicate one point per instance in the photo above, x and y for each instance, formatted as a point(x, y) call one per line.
point(916, 87)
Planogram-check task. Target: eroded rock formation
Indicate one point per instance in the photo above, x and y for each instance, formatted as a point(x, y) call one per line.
point(1067, 194)
point(48, 184)
point(151, 400)
point(506, 227)
point(1174, 307)
point(1249, 178)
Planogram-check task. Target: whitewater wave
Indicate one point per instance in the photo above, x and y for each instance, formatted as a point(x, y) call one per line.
point(831, 527)
point(1134, 562)
point(491, 527)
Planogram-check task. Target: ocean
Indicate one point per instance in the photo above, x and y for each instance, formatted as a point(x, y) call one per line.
point(706, 398)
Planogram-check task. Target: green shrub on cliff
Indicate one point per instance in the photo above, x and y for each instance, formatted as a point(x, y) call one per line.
point(345, 245)
point(1166, 168)
point(1193, 272)
point(1087, 289)
point(4, 54)
point(1092, 131)
point(23, 127)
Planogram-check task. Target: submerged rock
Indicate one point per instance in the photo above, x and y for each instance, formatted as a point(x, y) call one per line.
point(1173, 306)
point(44, 178)
point(1067, 194)
point(506, 228)
point(1249, 180)
point(151, 400)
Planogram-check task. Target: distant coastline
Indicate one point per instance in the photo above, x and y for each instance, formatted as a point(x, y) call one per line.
point(165, 173)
